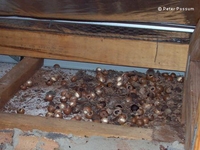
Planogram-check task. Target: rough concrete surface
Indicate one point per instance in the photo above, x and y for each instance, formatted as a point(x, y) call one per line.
point(38, 140)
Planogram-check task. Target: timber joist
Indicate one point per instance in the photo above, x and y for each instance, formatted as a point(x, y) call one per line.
point(54, 45)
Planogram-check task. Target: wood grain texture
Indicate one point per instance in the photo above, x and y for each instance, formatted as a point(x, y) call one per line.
point(197, 140)
point(82, 128)
point(185, 93)
point(194, 48)
point(168, 133)
point(10, 83)
point(191, 97)
point(121, 10)
point(77, 128)
point(191, 90)
point(93, 49)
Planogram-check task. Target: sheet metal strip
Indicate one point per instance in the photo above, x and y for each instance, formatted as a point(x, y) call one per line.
point(151, 26)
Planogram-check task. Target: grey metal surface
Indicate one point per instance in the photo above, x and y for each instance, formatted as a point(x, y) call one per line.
point(132, 31)
point(137, 25)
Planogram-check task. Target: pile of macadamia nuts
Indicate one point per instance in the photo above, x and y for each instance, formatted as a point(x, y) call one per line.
point(112, 97)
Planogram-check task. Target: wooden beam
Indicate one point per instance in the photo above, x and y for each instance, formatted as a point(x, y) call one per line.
point(194, 48)
point(78, 128)
point(190, 101)
point(191, 89)
point(197, 136)
point(82, 128)
point(10, 83)
point(93, 49)
point(123, 10)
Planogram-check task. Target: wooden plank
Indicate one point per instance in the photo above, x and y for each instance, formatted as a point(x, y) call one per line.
point(197, 137)
point(194, 48)
point(123, 10)
point(93, 49)
point(78, 128)
point(191, 89)
point(10, 83)
point(82, 128)
point(168, 133)
point(186, 93)
point(191, 97)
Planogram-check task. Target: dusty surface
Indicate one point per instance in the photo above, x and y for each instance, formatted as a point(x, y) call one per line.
point(5, 67)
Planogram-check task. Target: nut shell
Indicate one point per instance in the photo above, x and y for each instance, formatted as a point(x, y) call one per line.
point(49, 82)
point(54, 78)
point(103, 114)
point(180, 79)
point(23, 87)
point(140, 122)
point(49, 97)
point(77, 118)
point(134, 120)
point(73, 101)
point(29, 83)
point(56, 66)
point(62, 106)
point(67, 110)
point(49, 114)
point(145, 120)
point(58, 115)
point(117, 112)
point(63, 82)
point(74, 79)
point(51, 108)
point(122, 119)
point(104, 120)
point(21, 111)
point(151, 117)
point(87, 109)
point(89, 115)
point(63, 99)
point(134, 107)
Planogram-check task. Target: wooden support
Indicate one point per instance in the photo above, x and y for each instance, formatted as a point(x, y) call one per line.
point(10, 83)
point(191, 89)
point(192, 52)
point(78, 128)
point(191, 97)
point(93, 49)
point(122, 10)
point(82, 128)
point(197, 136)
point(194, 48)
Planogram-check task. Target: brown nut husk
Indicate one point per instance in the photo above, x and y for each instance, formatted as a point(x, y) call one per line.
point(21, 111)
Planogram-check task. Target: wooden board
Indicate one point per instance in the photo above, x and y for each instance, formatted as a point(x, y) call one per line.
point(194, 48)
point(192, 84)
point(78, 128)
point(93, 49)
point(193, 55)
point(191, 90)
point(197, 136)
point(82, 128)
point(121, 10)
point(10, 83)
